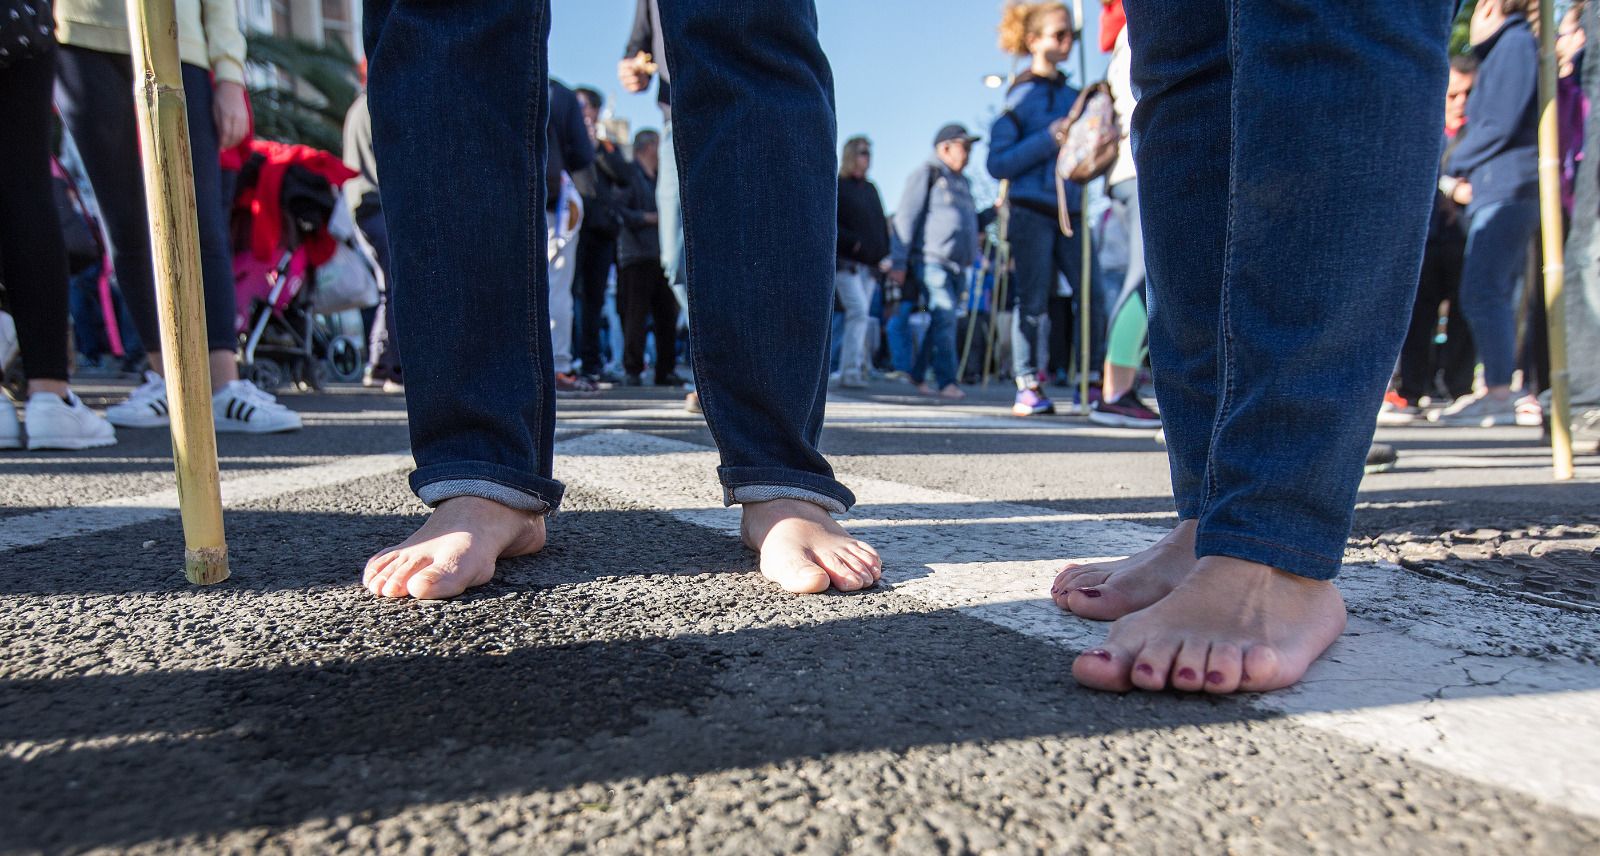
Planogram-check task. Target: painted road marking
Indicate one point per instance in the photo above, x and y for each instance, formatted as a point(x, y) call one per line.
point(1399, 680)
point(36, 528)
point(1417, 674)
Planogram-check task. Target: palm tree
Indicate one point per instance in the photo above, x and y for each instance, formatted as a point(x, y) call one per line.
point(308, 88)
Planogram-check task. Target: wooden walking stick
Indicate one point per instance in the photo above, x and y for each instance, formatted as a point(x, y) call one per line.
point(175, 244)
point(1084, 305)
point(1555, 269)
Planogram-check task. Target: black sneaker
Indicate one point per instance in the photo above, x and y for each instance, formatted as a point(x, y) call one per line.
point(673, 380)
point(1381, 458)
point(632, 379)
point(1126, 412)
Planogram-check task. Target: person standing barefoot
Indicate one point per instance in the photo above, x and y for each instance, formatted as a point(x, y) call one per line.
point(1286, 156)
point(459, 103)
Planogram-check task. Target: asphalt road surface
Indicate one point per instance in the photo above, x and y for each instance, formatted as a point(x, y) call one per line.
point(638, 688)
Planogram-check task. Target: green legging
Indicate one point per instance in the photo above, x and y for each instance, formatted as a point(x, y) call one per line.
point(1129, 342)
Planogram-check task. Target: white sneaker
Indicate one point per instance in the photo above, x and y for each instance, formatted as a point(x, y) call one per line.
point(56, 423)
point(1479, 411)
point(1530, 412)
point(10, 428)
point(146, 406)
point(242, 408)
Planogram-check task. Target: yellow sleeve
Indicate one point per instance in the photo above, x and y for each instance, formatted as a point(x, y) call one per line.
point(225, 45)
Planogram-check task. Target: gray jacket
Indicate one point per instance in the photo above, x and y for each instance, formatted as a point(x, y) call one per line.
point(947, 233)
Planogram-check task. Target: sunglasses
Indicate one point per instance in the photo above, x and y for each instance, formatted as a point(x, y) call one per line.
point(1058, 36)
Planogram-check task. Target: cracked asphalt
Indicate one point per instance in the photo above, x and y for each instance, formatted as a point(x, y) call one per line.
point(637, 688)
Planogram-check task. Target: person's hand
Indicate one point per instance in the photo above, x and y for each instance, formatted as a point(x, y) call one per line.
point(1058, 130)
point(885, 266)
point(634, 73)
point(651, 218)
point(231, 111)
point(1486, 21)
point(897, 276)
point(1461, 194)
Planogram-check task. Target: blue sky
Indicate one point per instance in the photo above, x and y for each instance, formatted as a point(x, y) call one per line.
point(901, 69)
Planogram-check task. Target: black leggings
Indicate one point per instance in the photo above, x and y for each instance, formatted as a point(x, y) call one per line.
point(645, 298)
point(95, 96)
point(33, 259)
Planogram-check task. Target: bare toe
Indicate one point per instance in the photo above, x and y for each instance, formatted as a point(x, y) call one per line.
point(1223, 667)
point(1103, 669)
point(800, 578)
point(1261, 671)
point(1100, 602)
point(399, 579)
point(437, 583)
point(1068, 582)
point(1153, 664)
point(1189, 669)
point(378, 564)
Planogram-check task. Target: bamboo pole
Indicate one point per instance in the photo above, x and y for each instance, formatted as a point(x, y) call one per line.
point(1555, 271)
point(1084, 238)
point(175, 244)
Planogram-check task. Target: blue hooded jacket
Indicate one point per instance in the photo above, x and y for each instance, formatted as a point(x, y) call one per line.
point(1499, 152)
point(1021, 147)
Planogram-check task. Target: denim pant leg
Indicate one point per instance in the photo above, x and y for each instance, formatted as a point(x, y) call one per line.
point(1033, 246)
point(1497, 253)
point(902, 344)
point(459, 104)
point(88, 318)
point(1184, 76)
point(752, 98)
point(1305, 349)
point(855, 292)
point(941, 347)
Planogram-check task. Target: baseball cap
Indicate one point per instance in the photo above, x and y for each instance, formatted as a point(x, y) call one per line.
point(954, 131)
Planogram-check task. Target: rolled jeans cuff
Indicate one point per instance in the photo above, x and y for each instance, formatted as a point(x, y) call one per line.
point(742, 484)
point(436, 484)
point(1301, 563)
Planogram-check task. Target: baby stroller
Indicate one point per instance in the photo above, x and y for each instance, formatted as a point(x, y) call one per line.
point(295, 259)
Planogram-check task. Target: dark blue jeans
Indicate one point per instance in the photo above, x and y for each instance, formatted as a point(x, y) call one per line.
point(459, 105)
point(1041, 253)
point(1287, 152)
point(1497, 256)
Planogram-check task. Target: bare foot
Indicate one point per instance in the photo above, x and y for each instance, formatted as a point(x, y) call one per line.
point(952, 392)
point(1105, 591)
point(805, 550)
point(454, 550)
point(1230, 626)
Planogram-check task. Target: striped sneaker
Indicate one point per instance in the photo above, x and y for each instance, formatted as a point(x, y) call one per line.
point(241, 408)
point(146, 406)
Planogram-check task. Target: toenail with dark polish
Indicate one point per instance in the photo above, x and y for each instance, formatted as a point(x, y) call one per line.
point(1099, 652)
point(1144, 669)
point(1088, 592)
point(1186, 674)
point(1213, 677)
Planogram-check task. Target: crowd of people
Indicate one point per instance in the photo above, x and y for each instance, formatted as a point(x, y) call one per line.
point(910, 283)
point(693, 261)
point(907, 284)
